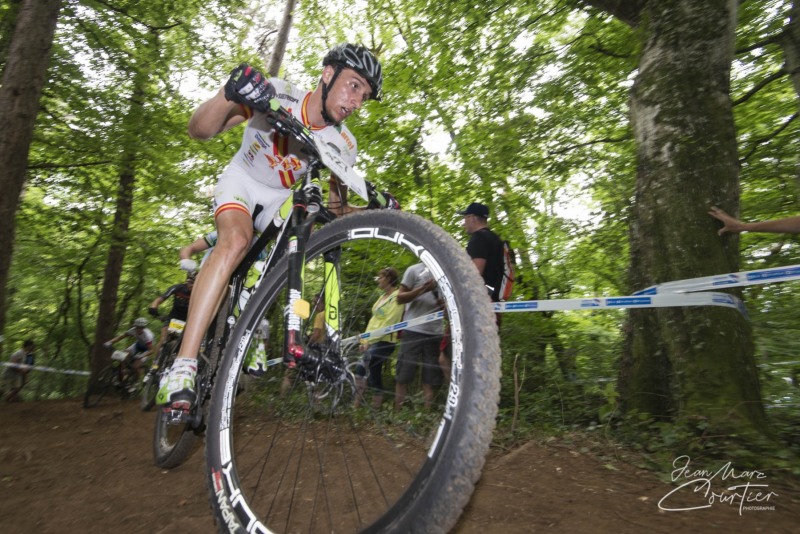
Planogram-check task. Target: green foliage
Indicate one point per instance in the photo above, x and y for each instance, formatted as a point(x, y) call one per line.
point(79, 150)
point(523, 106)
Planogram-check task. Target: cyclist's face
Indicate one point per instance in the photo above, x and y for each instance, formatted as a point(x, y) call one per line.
point(348, 93)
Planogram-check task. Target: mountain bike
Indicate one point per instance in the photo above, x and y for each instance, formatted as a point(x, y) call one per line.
point(290, 451)
point(119, 376)
point(158, 368)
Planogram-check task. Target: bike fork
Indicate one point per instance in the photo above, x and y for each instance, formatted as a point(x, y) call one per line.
point(297, 309)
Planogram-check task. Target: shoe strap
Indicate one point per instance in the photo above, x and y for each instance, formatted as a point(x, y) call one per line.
point(185, 363)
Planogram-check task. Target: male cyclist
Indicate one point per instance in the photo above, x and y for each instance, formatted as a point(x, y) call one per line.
point(258, 179)
point(143, 342)
point(180, 293)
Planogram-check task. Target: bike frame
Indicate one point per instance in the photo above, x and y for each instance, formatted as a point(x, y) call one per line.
point(307, 210)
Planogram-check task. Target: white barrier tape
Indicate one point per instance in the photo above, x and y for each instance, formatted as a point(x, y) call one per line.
point(649, 301)
point(741, 279)
point(394, 328)
point(689, 292)
point(643, 301)
point(45, 369)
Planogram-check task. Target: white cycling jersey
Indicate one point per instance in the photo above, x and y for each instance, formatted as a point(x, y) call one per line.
point(268, 164)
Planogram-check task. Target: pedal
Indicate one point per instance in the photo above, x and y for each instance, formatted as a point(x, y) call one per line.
point(175, 417)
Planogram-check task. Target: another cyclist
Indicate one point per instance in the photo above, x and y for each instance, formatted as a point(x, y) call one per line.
point(15, 374)
point(180, 293)
point(258, 179)
point(140, 348)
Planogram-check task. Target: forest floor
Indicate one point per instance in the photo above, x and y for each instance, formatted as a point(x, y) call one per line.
point(65, 469)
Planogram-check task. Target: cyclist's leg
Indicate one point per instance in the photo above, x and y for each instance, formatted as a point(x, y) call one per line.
point(235, 231)
point(235, 228)
point(137, 363)
point(127, 363)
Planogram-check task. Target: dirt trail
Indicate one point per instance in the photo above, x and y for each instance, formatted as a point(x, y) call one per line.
point(64, 469)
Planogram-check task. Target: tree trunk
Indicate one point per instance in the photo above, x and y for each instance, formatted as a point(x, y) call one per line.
point(107, 312)
point(283, 37)
point(691, 365)
point(790, 43)
point(23, 79)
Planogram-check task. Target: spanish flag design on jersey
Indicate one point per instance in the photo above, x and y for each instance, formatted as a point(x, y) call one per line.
point(276, 161)
point(281, 158)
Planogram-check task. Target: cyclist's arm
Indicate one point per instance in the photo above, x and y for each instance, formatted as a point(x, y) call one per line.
point(215, 116)
point(789, 225)
point(117, 338)
point(480, 263)
point(193, 248)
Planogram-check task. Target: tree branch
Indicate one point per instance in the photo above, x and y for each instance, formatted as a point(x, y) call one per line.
point(773, 39)
point(760, 85)
point(628, 11)
point(768, 137)
point(136, 20)
point(592, 142)
point(43, 166)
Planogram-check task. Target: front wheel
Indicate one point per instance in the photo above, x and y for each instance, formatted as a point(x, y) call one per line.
point(301, 450)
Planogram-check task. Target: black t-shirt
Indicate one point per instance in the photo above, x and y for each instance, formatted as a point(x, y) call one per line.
point(487, 245)
point(180, 302)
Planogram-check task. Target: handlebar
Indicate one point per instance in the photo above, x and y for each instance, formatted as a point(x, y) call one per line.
point(288, 125)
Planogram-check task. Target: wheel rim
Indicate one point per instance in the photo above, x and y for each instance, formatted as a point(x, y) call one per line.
point(304, 458)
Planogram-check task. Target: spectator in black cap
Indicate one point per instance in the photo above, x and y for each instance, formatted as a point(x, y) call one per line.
point(484, 247)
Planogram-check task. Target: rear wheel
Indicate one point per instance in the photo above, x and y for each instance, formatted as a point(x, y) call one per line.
point(153, 376)
point(95, 392)
point(172, 442)
point(291, 452)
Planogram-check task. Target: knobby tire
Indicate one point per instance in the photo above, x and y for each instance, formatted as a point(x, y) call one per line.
point(284, 455)
point(172, 443)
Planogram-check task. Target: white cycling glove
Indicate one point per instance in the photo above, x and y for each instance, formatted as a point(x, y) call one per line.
point(188, 265)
